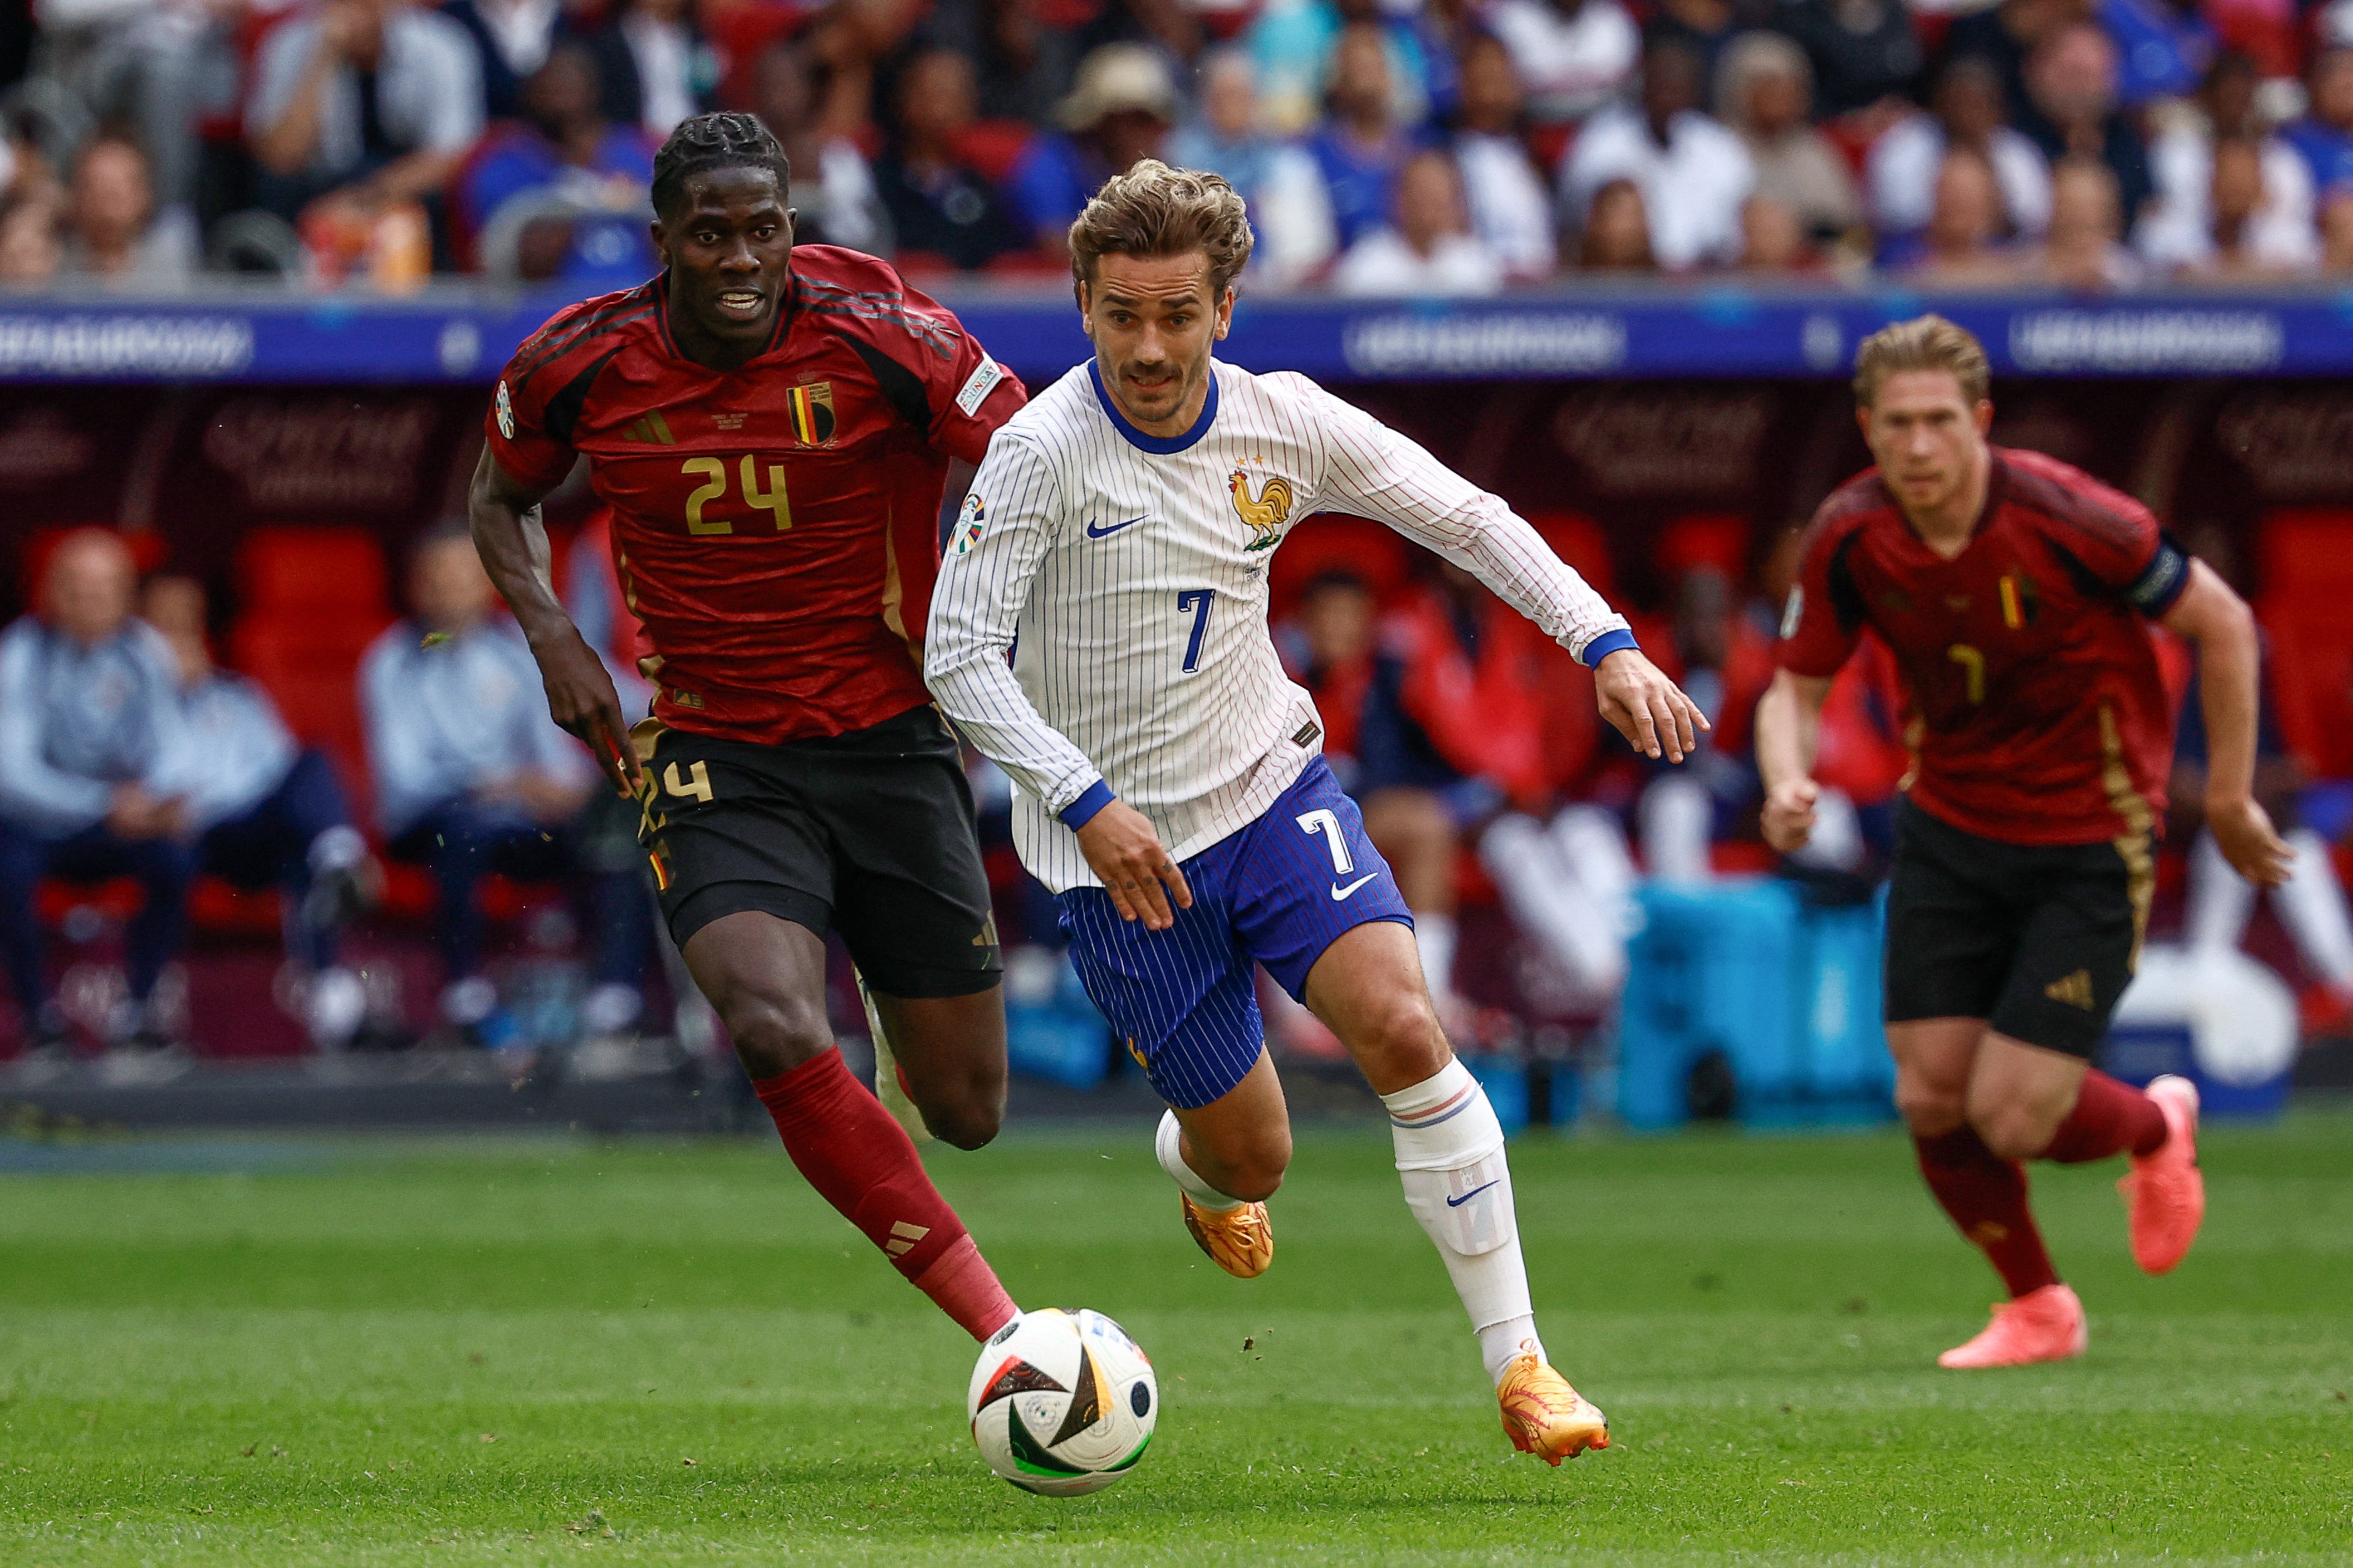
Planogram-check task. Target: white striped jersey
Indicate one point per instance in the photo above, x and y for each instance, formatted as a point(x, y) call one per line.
point(1127, 573)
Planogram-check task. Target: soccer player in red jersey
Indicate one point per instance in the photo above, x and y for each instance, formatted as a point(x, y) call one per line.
point(772, 429)
point(2015, 593)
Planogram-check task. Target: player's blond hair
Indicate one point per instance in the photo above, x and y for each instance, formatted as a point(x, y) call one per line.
point(1923, 343)
point(1155, 210)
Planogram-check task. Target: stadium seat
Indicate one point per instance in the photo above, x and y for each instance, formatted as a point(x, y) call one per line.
point(312, 600)
point(1579, 539)
point(1704, 538)
point(1328, 542)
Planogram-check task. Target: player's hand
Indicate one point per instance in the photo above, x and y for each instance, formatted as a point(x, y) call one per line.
point(2242, 831)
point(580, 698)
point(1123, 849)
point(1647, 708)
point(1789, 814)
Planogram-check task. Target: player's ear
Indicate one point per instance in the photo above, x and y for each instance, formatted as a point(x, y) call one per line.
point(662, 240)
point(1225, 312)
point(1086, 317)
point(1983, 415)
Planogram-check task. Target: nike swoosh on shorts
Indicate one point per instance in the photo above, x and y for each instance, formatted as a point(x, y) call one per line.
point(1095, 530)
point(1338, 894)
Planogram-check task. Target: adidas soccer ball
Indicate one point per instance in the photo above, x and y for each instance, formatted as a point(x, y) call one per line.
point(1063, 1402)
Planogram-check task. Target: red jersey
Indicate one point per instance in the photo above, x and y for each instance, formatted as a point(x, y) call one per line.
point(2040, 714)
point(775, 527)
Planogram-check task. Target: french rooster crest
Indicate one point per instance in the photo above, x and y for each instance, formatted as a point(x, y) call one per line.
point(1266, 514)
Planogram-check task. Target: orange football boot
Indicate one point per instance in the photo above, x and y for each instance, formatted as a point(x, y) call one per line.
point(1542, 1415)
point(2167, 1190)
point(2042, 1325)
point(1240, 1240)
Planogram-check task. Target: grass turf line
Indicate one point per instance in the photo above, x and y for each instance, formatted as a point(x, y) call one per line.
point(389, 1353)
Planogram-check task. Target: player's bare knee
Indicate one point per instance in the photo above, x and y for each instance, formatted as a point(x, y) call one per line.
point(1398, 1039)
point(775, 1033)
point(2012, 1131)
point(1929, 1109)
point(969, 1120)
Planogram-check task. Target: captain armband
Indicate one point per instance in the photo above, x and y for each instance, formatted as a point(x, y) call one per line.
point(2168, 574)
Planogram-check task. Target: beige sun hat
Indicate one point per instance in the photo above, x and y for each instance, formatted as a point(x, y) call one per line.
point(1118, 76)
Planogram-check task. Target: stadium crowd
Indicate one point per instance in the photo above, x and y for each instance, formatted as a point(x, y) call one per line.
point(1387, 147)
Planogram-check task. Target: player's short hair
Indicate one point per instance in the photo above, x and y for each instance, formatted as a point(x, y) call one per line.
point(1155, 210)
point(723, 140)
point(1923, 343)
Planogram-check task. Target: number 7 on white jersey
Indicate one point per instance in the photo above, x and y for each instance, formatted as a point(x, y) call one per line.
point(1328, 824)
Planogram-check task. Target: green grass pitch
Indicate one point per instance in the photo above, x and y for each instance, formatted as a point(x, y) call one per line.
point(371, 1353)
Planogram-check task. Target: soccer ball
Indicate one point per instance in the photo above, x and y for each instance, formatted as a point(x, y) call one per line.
point(1062, 1403)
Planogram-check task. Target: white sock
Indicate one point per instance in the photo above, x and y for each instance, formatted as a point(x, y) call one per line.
point(1450, 1156)
point(2314, 906)
point(1171, 1159)
point(1434, 937)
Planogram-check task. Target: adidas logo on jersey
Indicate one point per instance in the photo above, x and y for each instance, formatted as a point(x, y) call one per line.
point(653, 430)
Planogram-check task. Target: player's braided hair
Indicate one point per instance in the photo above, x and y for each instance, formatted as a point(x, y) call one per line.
point(723, 140)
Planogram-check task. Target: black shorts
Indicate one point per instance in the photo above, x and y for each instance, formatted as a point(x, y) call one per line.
point(2038, 940)
point(869, 833)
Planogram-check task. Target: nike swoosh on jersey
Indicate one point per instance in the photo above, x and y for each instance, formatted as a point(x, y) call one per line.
point(1458, 1203)
point(1340, 893)
point(1096, 530)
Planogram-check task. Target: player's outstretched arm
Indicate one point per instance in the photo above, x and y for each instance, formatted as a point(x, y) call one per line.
point(1789, 725)
point(2228, 655)
point(503, 513)
point(1645, 707)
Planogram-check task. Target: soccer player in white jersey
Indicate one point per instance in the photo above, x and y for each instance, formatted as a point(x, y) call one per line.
point(1171, 792)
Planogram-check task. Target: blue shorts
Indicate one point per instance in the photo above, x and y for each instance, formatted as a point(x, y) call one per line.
point(1278, 892)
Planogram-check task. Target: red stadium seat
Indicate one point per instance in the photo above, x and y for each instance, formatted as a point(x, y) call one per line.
point(1328, 542)
point(313, 598)
point(2307, 575)
point(991, 148)
point(1579, 539)
point(1705, 539)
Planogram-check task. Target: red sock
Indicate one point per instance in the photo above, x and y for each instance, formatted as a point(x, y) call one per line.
point(1987, 1199)
point(2110, 1118)
point(861, 1161)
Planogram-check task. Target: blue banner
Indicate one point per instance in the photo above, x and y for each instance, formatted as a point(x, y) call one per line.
point(461, 338)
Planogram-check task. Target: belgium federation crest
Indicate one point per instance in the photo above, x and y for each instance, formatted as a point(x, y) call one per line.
point(809, 406)
point(1263, 514)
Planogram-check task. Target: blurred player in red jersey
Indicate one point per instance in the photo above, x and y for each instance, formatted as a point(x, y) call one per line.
point(772, 429)
point(2014, 591)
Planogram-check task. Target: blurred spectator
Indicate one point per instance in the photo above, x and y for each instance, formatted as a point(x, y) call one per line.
point(269, 813)
point(1290, 208)
point(835, 200)
point(472, 777)
point(1771, 238)
point(1693, 173)
point(2162, 48)
point(2337, 235)
point(1327, 645)
point(561, 194)
point(1572, 56)
point(1864, 51)
point(1957, 247)
point(370, 102)
point(96, 771)
point(1505, 195)
point(147, 70)
point(1360, 147)
point(114, 235)
point(1291, 43)
point(2006, 34)
point(1704, 27)
point(512, 37)
point(2236, 220)
point(654, 66)
point(1724, 663)
point(2071, 87)
point(1617, 236)
point(32, 240)
point(2083, 249)
point(1429, 249)
point(939, 206)
point(1763, 92)
point(2324, 137)
point(1025, 66)
point(1967, 112)
point(1120, 111)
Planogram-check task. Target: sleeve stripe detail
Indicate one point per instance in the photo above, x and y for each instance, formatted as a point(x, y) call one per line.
point(573, 334)
point(563, 414)
point(1082, 811)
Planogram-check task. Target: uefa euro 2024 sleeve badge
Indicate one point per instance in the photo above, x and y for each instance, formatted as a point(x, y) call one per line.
point(504, 407)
